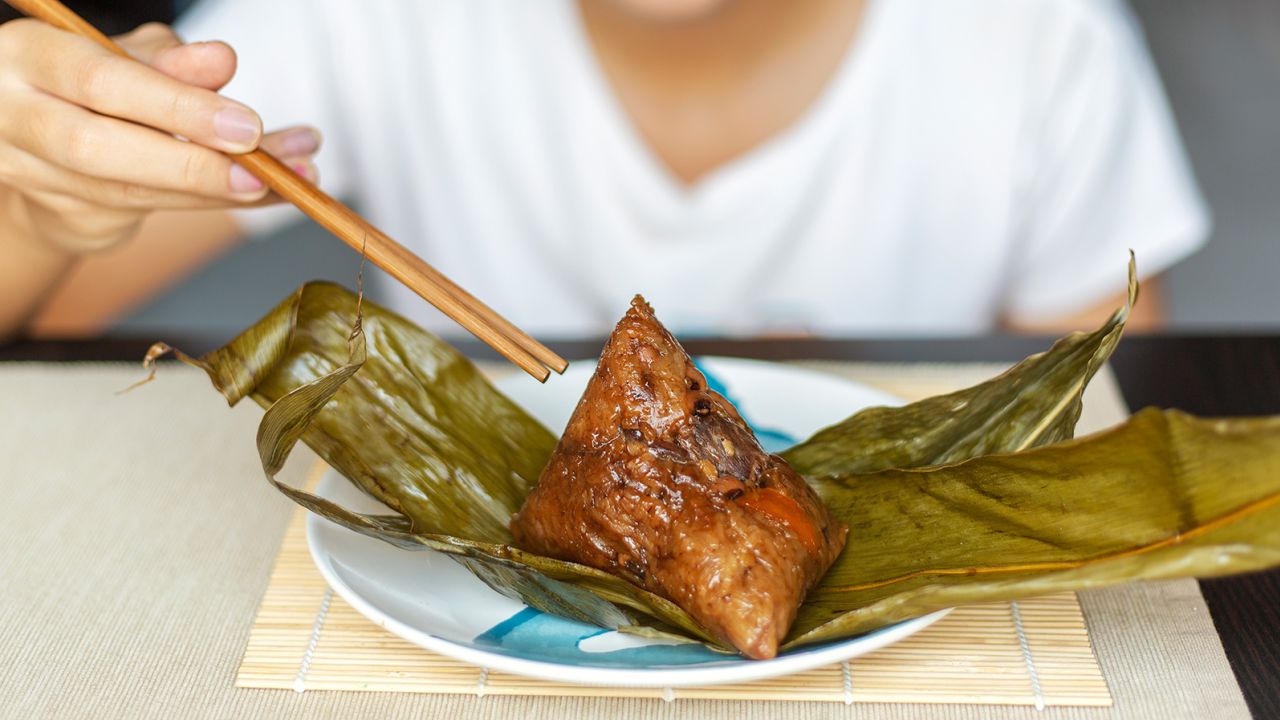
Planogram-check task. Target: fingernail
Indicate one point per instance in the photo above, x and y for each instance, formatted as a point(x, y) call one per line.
point(299, 142)
point(237, 125)
point(242, 181)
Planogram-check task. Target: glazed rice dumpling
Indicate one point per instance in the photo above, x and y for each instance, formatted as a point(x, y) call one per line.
point(657, 479)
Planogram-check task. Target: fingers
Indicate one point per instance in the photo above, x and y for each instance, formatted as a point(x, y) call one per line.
point(292, 142)
point(67, 191)
point(295, 147)
point(209, 65)
point(80, 72)
point(304, 166)
point(146, 41)
point(112, 149)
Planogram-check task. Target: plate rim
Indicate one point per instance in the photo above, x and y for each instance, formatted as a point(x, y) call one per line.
point(662, 677)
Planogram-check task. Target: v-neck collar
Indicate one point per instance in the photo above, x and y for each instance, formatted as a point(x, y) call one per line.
point(654, 179)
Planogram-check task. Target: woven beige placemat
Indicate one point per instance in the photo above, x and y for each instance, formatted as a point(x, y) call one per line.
point(139, 536)
point(1034, 652)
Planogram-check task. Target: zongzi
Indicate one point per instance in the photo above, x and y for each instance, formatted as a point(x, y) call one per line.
point(657, 479)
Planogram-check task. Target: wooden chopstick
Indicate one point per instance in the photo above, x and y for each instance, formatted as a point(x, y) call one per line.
point(406, 267)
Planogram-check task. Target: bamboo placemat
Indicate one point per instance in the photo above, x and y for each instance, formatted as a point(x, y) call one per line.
point(1033, 652)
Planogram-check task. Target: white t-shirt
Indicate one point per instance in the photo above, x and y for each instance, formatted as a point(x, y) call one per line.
point(967, 160)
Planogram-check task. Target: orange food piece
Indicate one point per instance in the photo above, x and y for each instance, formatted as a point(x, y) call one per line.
point(784, 510)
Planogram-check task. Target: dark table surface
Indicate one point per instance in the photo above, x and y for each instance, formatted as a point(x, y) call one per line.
point(1205, 375)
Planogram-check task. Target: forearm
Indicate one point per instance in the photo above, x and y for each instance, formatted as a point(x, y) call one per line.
point(32, 268)
point(103, 286)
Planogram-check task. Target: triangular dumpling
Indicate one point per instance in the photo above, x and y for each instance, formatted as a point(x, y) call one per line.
point(658, 480)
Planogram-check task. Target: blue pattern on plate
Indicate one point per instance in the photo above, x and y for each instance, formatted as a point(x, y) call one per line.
point(535, 635)
point(538, 636)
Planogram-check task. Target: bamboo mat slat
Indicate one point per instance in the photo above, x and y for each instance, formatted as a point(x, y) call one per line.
point(974, 655)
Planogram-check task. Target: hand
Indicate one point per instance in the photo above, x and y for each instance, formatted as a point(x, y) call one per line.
point(87, 138)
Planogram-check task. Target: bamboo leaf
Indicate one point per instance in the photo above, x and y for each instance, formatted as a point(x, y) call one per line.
point(1036, 402)
point(1164, 495)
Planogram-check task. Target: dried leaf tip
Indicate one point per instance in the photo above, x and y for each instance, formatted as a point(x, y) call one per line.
point(154, 353)
point(1134, 285)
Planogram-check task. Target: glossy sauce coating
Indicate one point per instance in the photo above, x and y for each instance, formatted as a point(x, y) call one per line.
point(657, 479)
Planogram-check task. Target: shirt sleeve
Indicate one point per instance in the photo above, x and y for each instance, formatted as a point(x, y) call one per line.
point(1106, 171)
point(284, 73)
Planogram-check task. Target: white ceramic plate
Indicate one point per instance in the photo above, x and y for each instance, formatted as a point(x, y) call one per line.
point(434, 602)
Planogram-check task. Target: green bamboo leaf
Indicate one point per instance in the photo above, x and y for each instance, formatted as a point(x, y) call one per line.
point(412, 422)
point(1036, 402)
point(1164, 495)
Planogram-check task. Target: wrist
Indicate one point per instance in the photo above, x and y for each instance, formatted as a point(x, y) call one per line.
point(79, 231)
point(33, 266)
point(22, 232)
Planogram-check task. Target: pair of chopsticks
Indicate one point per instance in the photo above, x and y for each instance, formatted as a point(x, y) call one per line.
point(342, 221)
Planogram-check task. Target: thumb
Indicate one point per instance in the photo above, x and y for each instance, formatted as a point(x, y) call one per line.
point(209, 65)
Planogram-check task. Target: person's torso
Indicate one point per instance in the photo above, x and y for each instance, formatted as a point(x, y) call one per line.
point(491, 144)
